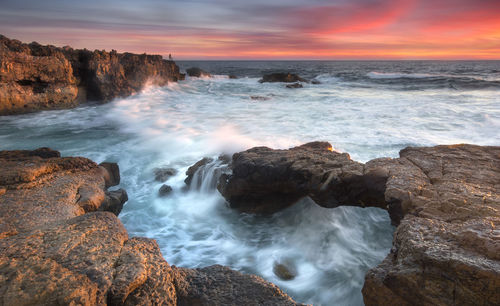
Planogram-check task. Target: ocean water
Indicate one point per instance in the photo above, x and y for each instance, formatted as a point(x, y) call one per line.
point(368, 109)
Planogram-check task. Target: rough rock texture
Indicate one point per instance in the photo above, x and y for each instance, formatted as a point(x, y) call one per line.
point(444, 199)
point(164, 190)
point(218, 285)
point(35, 77)
point(282, 77)
point(41, 188)
point(60, 245)
point(264, 180)
point(446, 248)
point(197, 72)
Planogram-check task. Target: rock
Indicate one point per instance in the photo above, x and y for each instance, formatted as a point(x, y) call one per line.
point(218, 285)
point(197, 72)
point(264, 180)
point(285, 270)
point(445, 249)
point(35, 77)
point(315, 82)
point(58, 246)
point(114, 201)
point(162, 174)
point(84, 260)
point(260, 98)
point(112, 174)
point(232, 76)
point(41, 189)
point(192, 170)
point(294, 85)
point(164, 190)
point(282, 77)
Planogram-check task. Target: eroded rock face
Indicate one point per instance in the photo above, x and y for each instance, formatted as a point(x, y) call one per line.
point(219, 285)
point(264, 180)
point(35, 77)
point(282, 77)
point(197, 72)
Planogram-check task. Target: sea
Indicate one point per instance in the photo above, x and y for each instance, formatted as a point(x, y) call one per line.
point(369, 109)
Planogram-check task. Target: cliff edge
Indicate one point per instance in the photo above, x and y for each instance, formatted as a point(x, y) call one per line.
point(35, 77)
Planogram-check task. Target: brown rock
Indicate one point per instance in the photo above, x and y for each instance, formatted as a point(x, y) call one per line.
point(197, 72)
point(114, 201)
point(264, 180)
point(164, 190)
point(41, 190)
point(112, 174)
point(192, 170)
point(35, 77)
point(218, 285)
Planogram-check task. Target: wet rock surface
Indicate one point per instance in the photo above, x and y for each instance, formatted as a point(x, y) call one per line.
point(61, 243)
point(163, 174)
point(445, 201)
point(282, 77)
point(35, 77)
point(294, 85)
point(164, 190)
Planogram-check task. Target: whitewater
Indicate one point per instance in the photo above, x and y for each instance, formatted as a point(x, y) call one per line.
point(368, 109)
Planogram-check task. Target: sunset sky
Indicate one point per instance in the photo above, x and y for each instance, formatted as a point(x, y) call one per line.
point(264, 29)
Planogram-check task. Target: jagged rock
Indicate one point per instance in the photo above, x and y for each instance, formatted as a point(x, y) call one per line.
point(162, 174)
point(197, 72)
point(282, 77)
point(164, 190)
point(112, 174)
point(218, 285)
point(35, 77)
point(42, 188)
point(264, 180)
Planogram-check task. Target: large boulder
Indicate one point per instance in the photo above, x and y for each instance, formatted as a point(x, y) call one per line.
point(264, 180)
point(282, 77)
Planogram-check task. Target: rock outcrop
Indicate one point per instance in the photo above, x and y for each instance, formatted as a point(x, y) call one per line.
point(197, 72)
point(264, 180)
point(60, 245)
point(282, 77)
point(35, 77)
point(444, 199)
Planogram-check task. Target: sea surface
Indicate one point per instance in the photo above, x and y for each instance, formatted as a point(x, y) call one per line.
point(368, 109)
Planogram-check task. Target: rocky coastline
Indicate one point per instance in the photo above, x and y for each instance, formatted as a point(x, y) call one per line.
point(444, 200)
point(61, 243)
point(35, 77)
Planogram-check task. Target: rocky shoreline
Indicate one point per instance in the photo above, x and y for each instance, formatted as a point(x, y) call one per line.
point(35, 77)
point(444, 200)
point(61, 243)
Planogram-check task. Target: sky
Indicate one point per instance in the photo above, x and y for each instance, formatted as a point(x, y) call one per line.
point(263, 29)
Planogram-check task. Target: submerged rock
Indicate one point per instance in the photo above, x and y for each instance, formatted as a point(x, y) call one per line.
point(282, 77)
point(197, 72)
point(35, 77)
point(164, 190)
point(163, 174)
point(194, 168)
point(260, 98)
point(315, 82)
point(232, 76)
point(285, 270)
point(294, 85)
